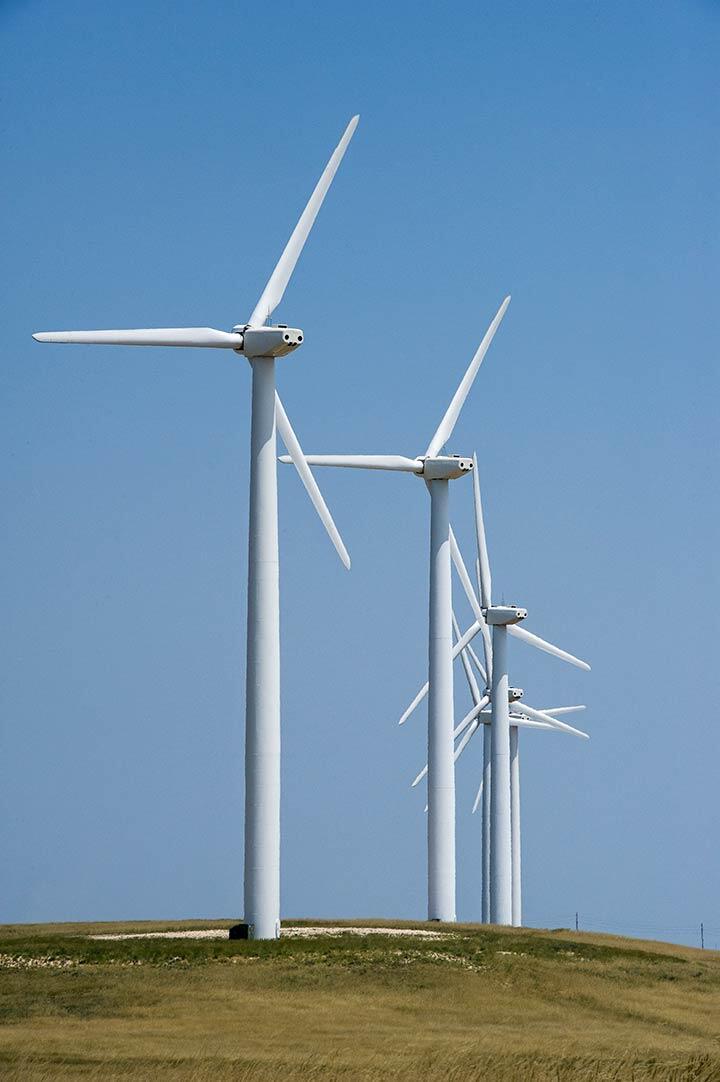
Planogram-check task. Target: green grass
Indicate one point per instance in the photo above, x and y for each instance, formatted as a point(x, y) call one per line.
point(484, 1003)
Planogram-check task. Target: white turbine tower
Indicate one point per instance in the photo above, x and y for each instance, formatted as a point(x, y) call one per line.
point(497, 804)
point(261, 345)
point(436, 470)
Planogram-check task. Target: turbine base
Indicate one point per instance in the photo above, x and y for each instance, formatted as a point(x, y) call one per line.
point(240, 931)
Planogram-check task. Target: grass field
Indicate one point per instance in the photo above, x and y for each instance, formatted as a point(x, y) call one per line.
point(483, 1003)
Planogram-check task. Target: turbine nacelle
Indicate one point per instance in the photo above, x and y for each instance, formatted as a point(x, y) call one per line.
point(268, 341)
point(445, 467)
point(502, 615)
point(514, 694)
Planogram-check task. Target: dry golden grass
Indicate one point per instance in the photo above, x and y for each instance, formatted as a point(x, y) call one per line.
point(512, 1006)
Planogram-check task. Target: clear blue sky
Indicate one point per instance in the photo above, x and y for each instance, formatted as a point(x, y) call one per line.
point(156, 156)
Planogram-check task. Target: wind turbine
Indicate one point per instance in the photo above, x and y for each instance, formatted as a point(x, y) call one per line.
point(436, 470)
point(521, 716)
point(261, 345)
point(501, 763)
point(497, 854)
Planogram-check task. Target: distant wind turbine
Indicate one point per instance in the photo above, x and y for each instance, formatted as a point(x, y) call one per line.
point(436, 470)
point(480, 715)
point(497, 804)
point(521, 716)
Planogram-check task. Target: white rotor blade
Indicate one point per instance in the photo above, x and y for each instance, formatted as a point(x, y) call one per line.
point(365, 462)
point(154, 336)
point(482, 669)
point(483, 561)
point(466, 638)
point(556, 710)
point(458, 647)
point(469, 674)
point(277, 283)
point(469, 719)
point(419, 777)
point(446, 426)
point(472, 598)
point(471, 715)
point(487, 638)
point(548, 647)
point(478, 798)
point(538, 715)
point(291, 442)
point(487, 649)
point(526, 723)
point(464, 577)
point(415, 703)
point(464, 742)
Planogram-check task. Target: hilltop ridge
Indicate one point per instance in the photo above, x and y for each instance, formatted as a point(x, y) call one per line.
point(475, 1002)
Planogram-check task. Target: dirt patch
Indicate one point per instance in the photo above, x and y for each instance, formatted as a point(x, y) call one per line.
point(289, 930)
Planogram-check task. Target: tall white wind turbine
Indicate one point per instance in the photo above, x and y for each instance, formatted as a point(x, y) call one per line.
point(436, 470)
point(261, 345)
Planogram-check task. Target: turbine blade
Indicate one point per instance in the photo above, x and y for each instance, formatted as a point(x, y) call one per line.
point(478, 798)
point(415, 703)
point(364, 462)
point(538, 715)
point(556, 710)
point(446, 426)
point(465, 740)
point(277, 283)
point(471, 716)
point(483, 559)
point(548, 647)
point(466, 638)
point(487, 638)
point(464, 577)
point(486, 669)
point(154, 336)
point(299, 461)
point(469, 674)
point(420, 776)
point(470, 720)
point(526, 723)
point(474, 603)
point(487, 648)
point(458, 647)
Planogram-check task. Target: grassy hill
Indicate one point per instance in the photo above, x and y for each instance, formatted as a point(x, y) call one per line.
point(481, 1003)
